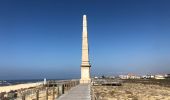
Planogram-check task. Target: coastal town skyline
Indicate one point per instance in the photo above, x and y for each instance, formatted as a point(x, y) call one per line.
point(42, 39)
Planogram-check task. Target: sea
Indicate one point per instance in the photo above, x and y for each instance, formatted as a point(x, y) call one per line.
point(14, 82)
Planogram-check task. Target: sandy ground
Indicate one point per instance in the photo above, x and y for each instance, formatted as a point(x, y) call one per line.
point(18, 86)
point(42, 96)
point(132, 91)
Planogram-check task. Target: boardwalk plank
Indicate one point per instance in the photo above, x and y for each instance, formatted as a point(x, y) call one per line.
point(80, 92)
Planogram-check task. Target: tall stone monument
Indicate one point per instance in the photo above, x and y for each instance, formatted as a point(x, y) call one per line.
point(85, 65)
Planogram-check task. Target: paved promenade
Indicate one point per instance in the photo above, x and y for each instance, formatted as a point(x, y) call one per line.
point(80, 92)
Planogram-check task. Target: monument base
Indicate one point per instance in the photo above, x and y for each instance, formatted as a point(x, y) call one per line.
point(85, 81)
point(85, 74)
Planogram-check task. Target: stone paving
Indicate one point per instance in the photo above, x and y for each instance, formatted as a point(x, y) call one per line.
point(80, 92)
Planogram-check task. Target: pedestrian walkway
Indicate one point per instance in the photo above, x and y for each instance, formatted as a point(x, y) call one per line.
point(80, 92)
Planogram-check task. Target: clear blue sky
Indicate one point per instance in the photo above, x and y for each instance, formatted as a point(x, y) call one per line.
point(42, 38)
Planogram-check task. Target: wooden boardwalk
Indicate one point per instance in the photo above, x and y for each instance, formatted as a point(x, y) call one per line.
point(80, 92)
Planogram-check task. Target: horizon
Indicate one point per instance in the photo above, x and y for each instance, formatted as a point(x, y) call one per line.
point(43, 39)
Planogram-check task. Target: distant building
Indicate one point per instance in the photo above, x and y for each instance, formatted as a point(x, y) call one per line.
point(148, 76)
point(111, 77)
point(167, 76)
point(152, 76)
point(129, 76)
point(159, 77)
point(123, 77)
point(96, 77)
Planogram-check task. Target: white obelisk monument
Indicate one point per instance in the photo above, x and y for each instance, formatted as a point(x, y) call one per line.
point(85, 65)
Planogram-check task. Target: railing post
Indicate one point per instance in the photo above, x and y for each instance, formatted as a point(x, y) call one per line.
point(61, 89)
point(2, 95)
point(37, 94)
point(46, 93)
point(77, 82)
point(23, 96)
point(58, 91)
point(70, 84)
point(53, 93)
point(74, 83)
point(67, 86)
